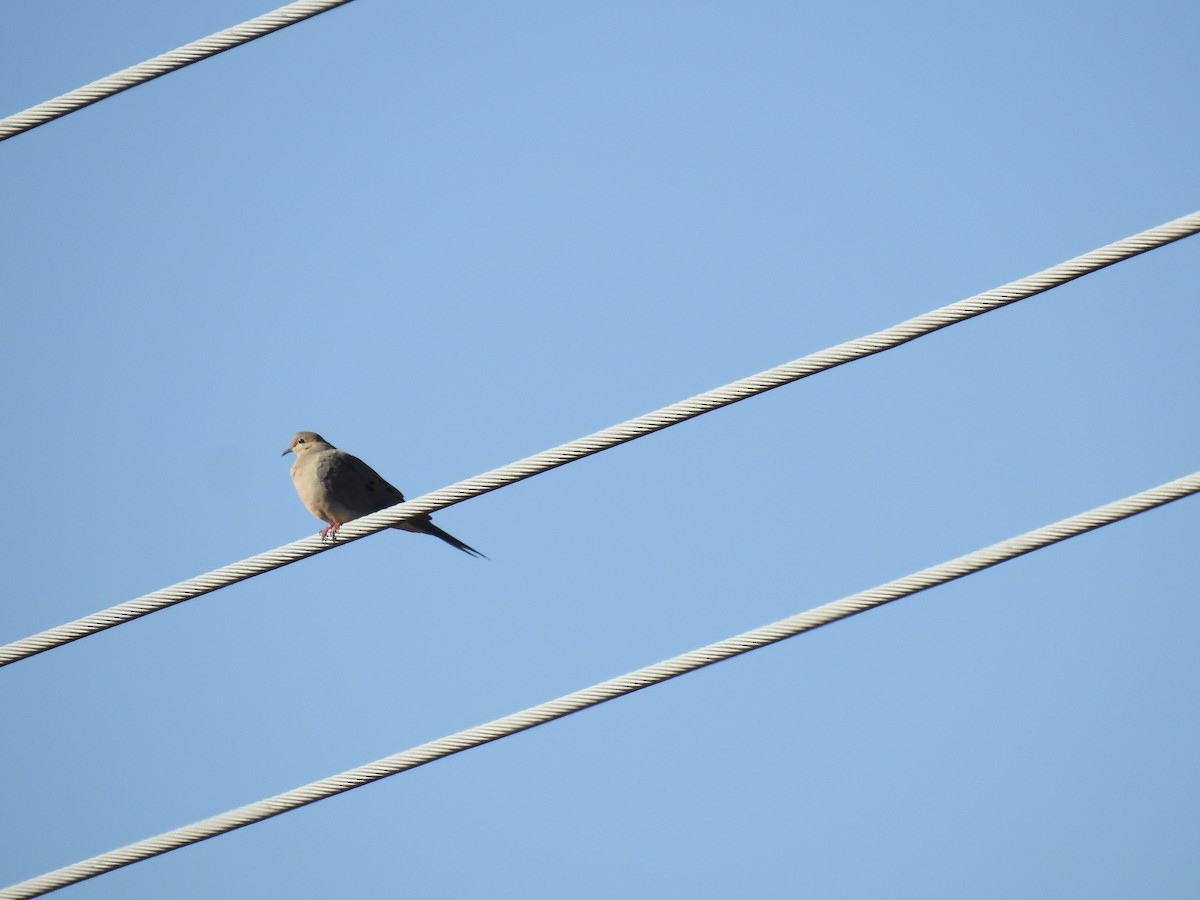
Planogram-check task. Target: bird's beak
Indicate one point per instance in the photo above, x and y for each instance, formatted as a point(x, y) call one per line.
point(286, 452)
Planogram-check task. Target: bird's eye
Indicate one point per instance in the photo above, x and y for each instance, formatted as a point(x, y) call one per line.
point(299, 440)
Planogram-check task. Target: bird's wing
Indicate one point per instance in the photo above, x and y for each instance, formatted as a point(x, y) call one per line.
point(354, 485)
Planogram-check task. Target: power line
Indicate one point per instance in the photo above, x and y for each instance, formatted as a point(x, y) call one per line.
point(607, 690)
point(163, 64)
point(610, 437)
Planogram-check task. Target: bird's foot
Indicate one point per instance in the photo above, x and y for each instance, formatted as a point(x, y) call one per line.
point(329, 532)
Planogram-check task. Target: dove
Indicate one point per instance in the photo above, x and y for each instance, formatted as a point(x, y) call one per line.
point(337, 487)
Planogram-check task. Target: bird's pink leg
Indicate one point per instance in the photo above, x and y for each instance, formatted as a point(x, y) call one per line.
point(329, 532)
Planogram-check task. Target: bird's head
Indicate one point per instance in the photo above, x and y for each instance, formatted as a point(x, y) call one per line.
point(305, 441)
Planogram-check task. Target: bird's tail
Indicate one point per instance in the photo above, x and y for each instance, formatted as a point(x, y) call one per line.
point(424, 526)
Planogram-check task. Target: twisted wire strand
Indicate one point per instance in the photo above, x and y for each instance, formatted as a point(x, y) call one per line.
point(607, 438)
point(162, 64)
point(606, 690)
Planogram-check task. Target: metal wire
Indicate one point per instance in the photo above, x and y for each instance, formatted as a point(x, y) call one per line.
point(71, 101)
point(607, 690)
point(609, 437)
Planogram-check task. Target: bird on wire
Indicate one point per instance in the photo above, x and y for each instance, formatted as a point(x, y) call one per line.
point(337, 487)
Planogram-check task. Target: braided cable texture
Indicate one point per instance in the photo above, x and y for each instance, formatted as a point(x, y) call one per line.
point(163, 64)
point(607, 690)
point(609, 437)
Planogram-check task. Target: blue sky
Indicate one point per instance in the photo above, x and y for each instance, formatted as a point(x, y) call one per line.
point(449, 236)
